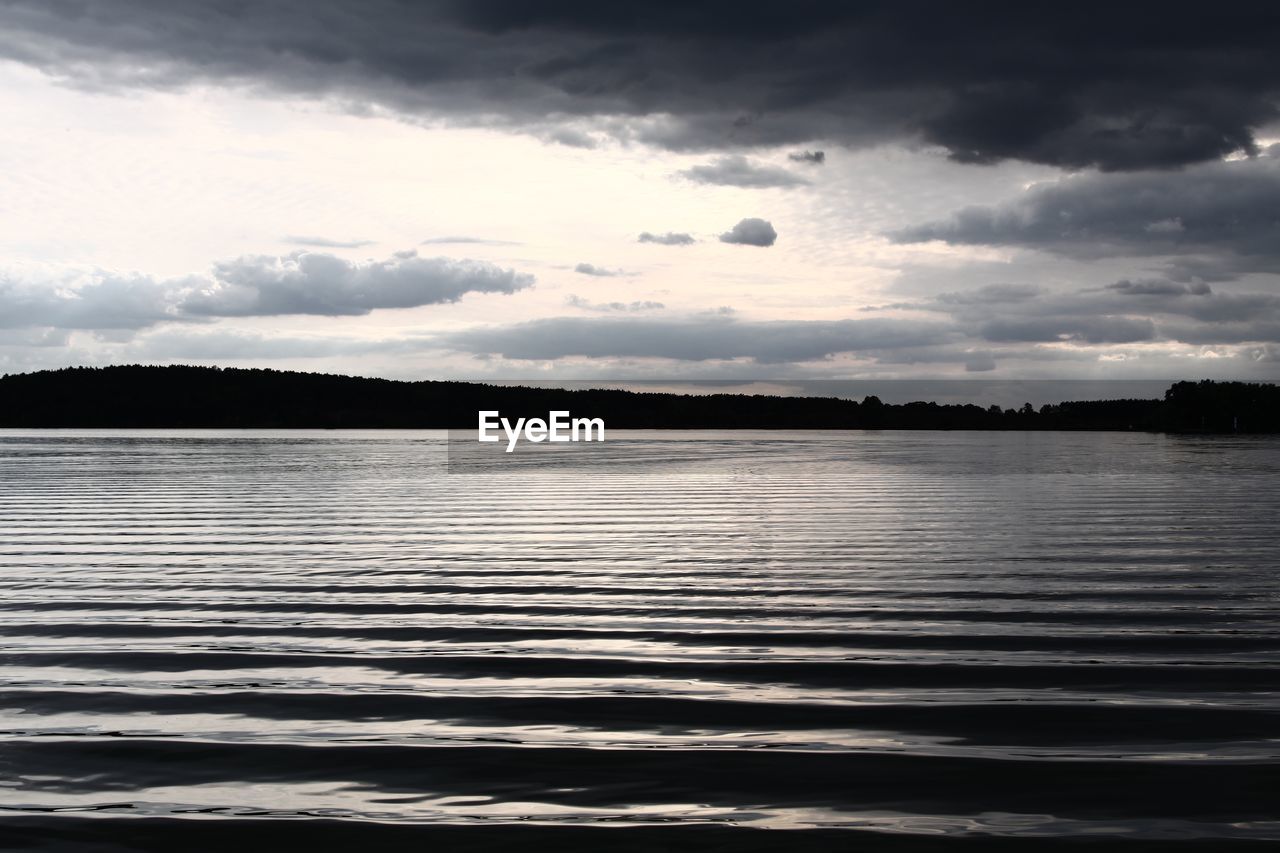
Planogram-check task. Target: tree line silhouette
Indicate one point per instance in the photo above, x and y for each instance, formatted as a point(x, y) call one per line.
point(190, 396)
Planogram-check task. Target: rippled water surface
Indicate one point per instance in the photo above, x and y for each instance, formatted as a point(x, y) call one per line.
point(870, 635)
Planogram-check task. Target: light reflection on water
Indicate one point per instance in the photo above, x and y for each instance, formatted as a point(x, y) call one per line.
point(1025, 634)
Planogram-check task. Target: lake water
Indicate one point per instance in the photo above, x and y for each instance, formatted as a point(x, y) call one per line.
point(745, 639)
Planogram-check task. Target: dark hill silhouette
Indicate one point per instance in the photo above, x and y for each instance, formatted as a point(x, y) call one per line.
point(186, 396)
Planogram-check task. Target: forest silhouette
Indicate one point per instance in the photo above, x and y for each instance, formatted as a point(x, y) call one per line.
point(191, 396)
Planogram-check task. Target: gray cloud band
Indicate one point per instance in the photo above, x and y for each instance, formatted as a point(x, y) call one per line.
point(694, 339)
point(1212, 222)
point(737, 171)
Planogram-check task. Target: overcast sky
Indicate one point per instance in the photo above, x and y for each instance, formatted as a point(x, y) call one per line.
point(499, 188)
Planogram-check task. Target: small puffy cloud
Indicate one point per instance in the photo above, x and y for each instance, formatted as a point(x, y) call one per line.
point(812, 158)
point(592, 269)
point(607, 307)
point(313, 283)
point(751, 232)
point(671, 238)
point(737, 171)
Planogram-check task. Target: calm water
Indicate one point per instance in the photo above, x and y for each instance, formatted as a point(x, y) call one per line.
point(879, 636)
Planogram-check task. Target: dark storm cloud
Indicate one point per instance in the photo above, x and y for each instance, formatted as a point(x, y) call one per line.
point(327, 243)
point(813, 158)
point(671, 238)
point(737, 171)
point(693, 339)
point(592, 269)
point(1113, 85)
point(751, 232)
point(314, 283)
point(252, 286)
point(1214, 221)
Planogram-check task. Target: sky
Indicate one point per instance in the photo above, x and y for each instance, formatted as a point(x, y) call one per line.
point(657, 190)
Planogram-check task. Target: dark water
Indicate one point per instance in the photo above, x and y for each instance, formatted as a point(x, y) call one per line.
point(740, 641)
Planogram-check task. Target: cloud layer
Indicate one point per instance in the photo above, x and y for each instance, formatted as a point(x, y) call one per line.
point(314, 283)
point(1114, 86)
point(1214, 221)
point(1155, 234)
point(303, 282)
point(1121, 312)
point(694, 338)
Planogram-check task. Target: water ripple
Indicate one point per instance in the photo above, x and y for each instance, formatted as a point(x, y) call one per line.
point(900, 634)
